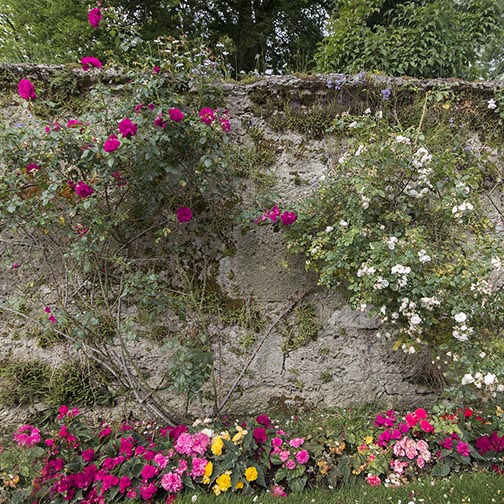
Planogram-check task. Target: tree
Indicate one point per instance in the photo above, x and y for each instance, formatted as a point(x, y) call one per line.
point(422, 38)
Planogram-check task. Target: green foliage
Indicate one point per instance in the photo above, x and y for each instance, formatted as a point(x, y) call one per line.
point(438, 38)
point(31, 381)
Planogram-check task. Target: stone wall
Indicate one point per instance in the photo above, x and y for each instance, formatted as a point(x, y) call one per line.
point(345, 362)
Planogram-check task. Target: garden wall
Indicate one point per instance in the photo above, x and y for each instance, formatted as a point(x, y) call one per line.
point(335, 356)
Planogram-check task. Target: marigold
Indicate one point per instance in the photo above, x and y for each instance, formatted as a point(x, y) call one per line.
point(251, 473)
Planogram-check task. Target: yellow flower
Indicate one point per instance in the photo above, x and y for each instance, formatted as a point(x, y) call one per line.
point(369, 439)
point(217, 446)
point(208, 473)
point(216, 490)
point(499, 411)
point(225, 435)
point(239, 485)
point(237, 438)
point(223, 482)
point(251, 473)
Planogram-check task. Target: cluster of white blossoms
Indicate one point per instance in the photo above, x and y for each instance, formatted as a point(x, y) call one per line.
point(491, 104)
point(391, 242)
point(430, 302)
point(381, 283)
point(403, 140)
point(461, 331)
point(365, 202)
point(490, 381)
point(423, 257)
point(458, 211)
point(404, 271)
point(408, 309)
point(365, 270)
point(421, 157)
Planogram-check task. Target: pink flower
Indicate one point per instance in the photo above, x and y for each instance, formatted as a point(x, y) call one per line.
point(32, 167)
point(161, 460)
point(172, 482)
point(88, 455)
point(73, 123)
point(426, 426)
point(184, 214)
point(124, 483)
point(81, 230)
point(277, 491)
point(149, 472)
point(288, 218)
point(296, 442)
point(183, 444)
point(447, 443)
point(420, 413)
point(290, 464)
point(156, 70)
point(159, 121)
point(198, 467)
point(200, 443)
point(422, 445)
point(127, 128)
point(284, 455)
point(138, 108)
point(105, 432)
point(225, 124)
point(16, 265)
point(207, 115)
point(276, 442)
point(94, 17)
point(83, 190)
point(264, 420)
point(27, 436)
point(176, 115)
point(148, 491)
point(111, 144)
point(411, 420)
point(302, 457)
point(52, 319)
point(260, 435)
point(89, 61)
point(463, 449)
point(26, 90)
point(373, 480)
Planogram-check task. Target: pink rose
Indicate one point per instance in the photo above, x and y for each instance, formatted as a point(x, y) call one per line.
point(94, 17)
point(176, 115)
point(184, 214)
point(32, 167)
point(26, 90)
point(83, 190)
point(302, 457)
point(172, 482)
point(111, 144)
point(88, 61)
point(127, 128)
point(290, 464)
point(207, 115)
point(296, 442)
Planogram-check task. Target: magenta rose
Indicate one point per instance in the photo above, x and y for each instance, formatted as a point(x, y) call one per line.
point(176, 115)
point(83, 190)
point(111, 144)
point(127, 128)
point(184, 214)
point(288, 218)
point(94, 17)
point(88, 61)
point(260, 435)
point(26, 90)
point(207, 115)
point(32, 167)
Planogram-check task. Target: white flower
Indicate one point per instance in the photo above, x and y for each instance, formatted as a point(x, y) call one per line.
point(423, 257)
point(194, 498)
point(415, 319)
point(343, 223)
point(391, 242)
point(365, 202)
point(379, 114)
point(367, 111)
point(460, 317)
point(491, 104)
point(400, 269)
point(328, 229)
point(353, 125)
point(482, 355)
point(467, 379)
point(381, 283)
point(496, 263)
point(489, 379)
point(459, 335)
point(402, 139)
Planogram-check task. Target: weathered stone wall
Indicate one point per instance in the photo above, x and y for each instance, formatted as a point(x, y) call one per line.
point(346, 362)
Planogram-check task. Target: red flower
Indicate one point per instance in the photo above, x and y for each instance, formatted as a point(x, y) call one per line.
point(26, 90)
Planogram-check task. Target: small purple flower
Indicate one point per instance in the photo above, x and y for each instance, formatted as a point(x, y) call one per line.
point(385, 93)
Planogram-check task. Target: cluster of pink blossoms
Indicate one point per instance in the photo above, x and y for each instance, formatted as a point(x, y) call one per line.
point(286, 218)
point(411, 449)
point(27, 436)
